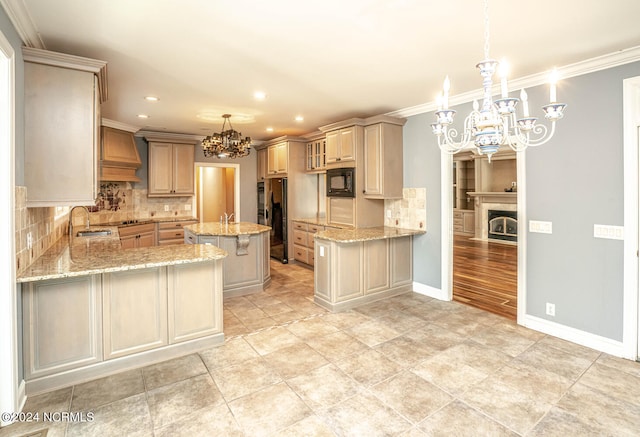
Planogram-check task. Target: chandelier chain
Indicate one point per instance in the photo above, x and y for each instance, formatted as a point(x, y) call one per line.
point(486, 29)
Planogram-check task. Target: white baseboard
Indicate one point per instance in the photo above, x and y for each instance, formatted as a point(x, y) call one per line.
point(573, 335)
point(430, 291)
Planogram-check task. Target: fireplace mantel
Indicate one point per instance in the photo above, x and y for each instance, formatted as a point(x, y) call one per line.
point(502, 195)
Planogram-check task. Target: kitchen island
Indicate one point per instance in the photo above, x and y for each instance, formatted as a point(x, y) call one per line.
point(91, 308)
point(246, 268)
point(362, 265)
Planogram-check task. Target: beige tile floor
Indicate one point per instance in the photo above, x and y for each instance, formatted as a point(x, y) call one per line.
point(408, 366)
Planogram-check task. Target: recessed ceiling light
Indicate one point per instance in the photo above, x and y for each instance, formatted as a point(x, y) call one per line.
point(260, 95)
point(299, 118)
point(269, 129)
point(143, 116)
point(151, 98)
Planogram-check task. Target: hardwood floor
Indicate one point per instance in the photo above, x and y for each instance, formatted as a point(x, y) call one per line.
point(485, 275)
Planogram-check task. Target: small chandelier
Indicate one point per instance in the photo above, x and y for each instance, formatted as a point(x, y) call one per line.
point(495, 124)
point(227, 144)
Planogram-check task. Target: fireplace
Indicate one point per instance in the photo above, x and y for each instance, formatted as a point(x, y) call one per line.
point(502, 225)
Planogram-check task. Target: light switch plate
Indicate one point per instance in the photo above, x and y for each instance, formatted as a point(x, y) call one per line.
point(540, 227)
point(609, 232)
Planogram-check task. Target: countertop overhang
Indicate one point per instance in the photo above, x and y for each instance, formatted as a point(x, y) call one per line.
point(227, 230)
point(79, 256)
point(365, 234)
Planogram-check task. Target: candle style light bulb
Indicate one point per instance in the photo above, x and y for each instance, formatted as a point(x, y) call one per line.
point(504, 70)
point(439, 101)
point(525, 102)
point(553, 79)
point(476, 105)
point(446, 87)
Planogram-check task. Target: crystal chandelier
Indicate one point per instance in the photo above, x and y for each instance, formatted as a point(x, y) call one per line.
point(495, 123)
point(227, 144)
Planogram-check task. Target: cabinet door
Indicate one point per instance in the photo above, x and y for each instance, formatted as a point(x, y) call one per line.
point(272, 165)
point(60, 136)
point(262, 164)
point(241, 270)
point(376, 266)
point(134, 311)
point(195, 300)
point(282, 158)
point(372, 161)
point(129, 242)
point(62, 325)
point(347, 265)
point(310, 157)
point(468, 222)
point(347, 144)
point(322, 270)
point(332, 140)
point(341, 211)
point(401, 261)
point(182, 170)
point(148, 239)
point(160, 164)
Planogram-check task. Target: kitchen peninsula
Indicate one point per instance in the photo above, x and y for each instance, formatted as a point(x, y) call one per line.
point(361, 265)
point(91, 308)
point(246, 268)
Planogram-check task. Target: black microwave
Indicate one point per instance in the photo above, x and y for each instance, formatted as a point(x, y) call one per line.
point(341, 182)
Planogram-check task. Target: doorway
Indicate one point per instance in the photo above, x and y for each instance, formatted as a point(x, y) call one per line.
point(482, 247)
point(217, 192)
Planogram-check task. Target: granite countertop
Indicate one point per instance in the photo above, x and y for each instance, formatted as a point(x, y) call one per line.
point(79, 256)
point(145, 221)
point(320, 221)
point(230, 230)
point(364, 234)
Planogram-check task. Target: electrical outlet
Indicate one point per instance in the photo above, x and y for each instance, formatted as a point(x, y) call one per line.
point(29, 240)
point(388, 213)
point(551, 309)
point(166, 208)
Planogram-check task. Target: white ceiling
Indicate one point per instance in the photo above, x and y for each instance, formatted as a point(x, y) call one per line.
point(327, 60)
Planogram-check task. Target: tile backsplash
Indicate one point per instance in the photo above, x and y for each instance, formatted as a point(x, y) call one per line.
point(410, 212)
point(41, 223)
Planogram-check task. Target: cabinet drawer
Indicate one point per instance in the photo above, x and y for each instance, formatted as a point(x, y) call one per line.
point(176, 225)
point(169, 242)
point(457, 214)
point(300, 226)
point(300, 254)
point(126, 231)
point(315, 228)
point(171, 234)
point(300, 237)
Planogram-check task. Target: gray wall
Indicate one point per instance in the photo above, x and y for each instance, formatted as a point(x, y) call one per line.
point(574, 181)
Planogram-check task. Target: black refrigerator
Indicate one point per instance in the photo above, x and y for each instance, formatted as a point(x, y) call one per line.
point(277, 219)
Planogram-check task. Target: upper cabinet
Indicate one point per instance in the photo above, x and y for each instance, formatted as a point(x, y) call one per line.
point(342, 145)
point(119, 158)
point(316, 156)
point(62, 127)
point(278, 160)
point(171, 169)
point(383, 159)
point(262, 164)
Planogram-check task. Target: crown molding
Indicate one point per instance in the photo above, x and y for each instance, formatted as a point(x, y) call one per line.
point(169, 137)
point(119, 125)
point(23, 23)
point(592, 65)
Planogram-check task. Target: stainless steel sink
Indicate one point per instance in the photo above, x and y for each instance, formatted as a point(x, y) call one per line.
point(94, 233)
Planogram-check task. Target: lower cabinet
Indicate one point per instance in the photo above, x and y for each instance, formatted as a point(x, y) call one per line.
point(62, 325)
point(172, 232)
point(133, 236)
point(85, 327)
point(134, 311)
point(464, 221)
point(353, 273)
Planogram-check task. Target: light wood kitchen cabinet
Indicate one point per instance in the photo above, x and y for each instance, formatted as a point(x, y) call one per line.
point(134, 311)
point(304, 239)
point(348, 274)
point(195, 301)
point(171, 169)
point(172, 232)
point(464, 221)
point(316, 159)
point(277, 160)
point(64, 323)
point(133, 236)
point(62, 96)
point(382, 161)
point(342, 145)
point(262, 157)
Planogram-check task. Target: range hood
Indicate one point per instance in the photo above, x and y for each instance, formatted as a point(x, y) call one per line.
point(119, 158)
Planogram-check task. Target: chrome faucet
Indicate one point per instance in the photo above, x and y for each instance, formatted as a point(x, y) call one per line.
point(71, 218)
point(226, 218)
point(229, 218)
